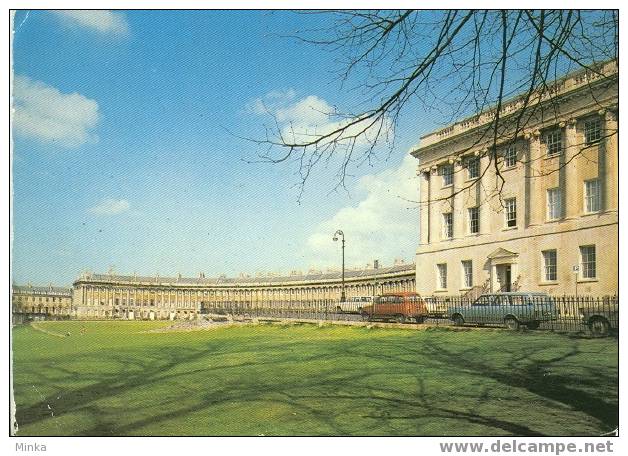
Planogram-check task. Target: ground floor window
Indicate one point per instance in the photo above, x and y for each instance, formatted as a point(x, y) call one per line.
point(442, 276)
point(587, 261)
point(467, 273)
point(549, 265)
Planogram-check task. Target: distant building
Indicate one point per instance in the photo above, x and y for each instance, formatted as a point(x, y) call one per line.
point(134, 297)
point(553, 226)
point(37, 302)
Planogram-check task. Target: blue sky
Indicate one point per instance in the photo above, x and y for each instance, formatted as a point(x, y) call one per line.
point(123, 154)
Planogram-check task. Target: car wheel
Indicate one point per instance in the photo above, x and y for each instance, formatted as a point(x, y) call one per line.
point(420, 320)
point(533, 325)
point(400, 319)
point(366, 316)
point(511, 323)
point(458, 320)
point(599, 327)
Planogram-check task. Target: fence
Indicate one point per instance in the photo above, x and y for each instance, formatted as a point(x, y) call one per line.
point(599, 315)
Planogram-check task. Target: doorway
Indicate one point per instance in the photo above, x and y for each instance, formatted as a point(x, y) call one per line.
point(504, 277)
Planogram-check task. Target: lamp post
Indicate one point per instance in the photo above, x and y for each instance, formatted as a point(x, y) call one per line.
point(335, 238)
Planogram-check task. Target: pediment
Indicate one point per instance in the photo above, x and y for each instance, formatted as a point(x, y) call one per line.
point(501, 253)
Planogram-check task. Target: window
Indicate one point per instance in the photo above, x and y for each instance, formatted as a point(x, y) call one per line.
point(554, 203)
point(549, 265)
point(473, 168)
point(592, 195)
point(467, 273)
point(510, 206)
point(474, 220)
point(510, 156)
point(554, 142)
point(484, 301)
point(448, 225)
point(442, 276)
point(587, 261)
point(447, 172)
point(592, 131)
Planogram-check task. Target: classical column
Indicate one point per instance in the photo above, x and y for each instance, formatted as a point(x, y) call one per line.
point(610, 152)
point(572, 193)
point(534, 206)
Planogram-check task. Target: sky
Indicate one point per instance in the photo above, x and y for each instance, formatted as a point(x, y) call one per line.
point(128, 150)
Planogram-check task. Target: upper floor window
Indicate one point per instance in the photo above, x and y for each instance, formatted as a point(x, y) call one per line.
point(510, 206)
point(473, 167)
point(554, 203)
point(592, 131)
point(587, 261)
point(510, 156)
point(447, 172)
point(592, 195)
point(474, 220)
point(448, 225)
point(549, 265)
point(554, 142)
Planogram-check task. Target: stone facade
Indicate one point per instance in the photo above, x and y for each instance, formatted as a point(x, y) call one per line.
point(49, 301)
point(552, 224)
point(134, 297)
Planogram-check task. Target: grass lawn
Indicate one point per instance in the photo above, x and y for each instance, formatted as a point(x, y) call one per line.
point(116, 379)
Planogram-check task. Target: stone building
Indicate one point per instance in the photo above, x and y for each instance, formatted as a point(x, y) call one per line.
point(29, 301)
point(553, 226)
point(135, 297)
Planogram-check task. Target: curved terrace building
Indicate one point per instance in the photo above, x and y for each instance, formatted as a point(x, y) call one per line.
point(116, 296)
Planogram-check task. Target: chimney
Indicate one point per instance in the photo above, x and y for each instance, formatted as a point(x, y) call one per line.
point(375, 264)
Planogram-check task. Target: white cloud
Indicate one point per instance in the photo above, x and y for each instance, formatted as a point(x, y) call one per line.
point(271, 101)
point(383, 225)
point(110, 206)
point(312, 116)
point(44, 113)
point(101, 21)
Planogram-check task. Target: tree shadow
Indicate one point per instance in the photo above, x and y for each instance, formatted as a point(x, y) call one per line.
point(331, 393)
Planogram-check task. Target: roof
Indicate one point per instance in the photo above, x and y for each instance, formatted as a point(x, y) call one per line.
point(571, 82)
point(29, 289)
point(310, 277)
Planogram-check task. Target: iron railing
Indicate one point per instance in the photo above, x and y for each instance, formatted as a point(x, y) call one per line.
point(599, 315)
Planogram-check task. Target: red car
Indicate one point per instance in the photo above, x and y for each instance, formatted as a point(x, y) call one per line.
point(398, 306)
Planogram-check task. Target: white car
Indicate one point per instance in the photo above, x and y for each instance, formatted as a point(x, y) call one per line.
point(354, 304)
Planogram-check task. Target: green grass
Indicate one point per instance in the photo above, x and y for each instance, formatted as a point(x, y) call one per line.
point(116, 379)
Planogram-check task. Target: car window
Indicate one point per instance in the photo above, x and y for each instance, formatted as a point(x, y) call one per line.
point(482, 301)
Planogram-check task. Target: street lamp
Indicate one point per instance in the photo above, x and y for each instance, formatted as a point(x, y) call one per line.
point(335, 238)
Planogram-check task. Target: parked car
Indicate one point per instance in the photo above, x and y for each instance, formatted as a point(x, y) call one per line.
point(400, 307)
point(601, 318)
point(354, 304)
point(512, 309)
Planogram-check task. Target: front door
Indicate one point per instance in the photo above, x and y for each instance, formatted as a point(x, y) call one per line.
point(504, 277)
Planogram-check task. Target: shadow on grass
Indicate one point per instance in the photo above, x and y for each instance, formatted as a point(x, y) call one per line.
point(331, 393)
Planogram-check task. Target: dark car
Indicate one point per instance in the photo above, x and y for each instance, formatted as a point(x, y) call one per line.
point(601, 318)
point(511, 309)
point(400, 306)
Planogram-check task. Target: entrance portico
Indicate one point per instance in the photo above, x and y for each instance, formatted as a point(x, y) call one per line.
point(504, 269)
